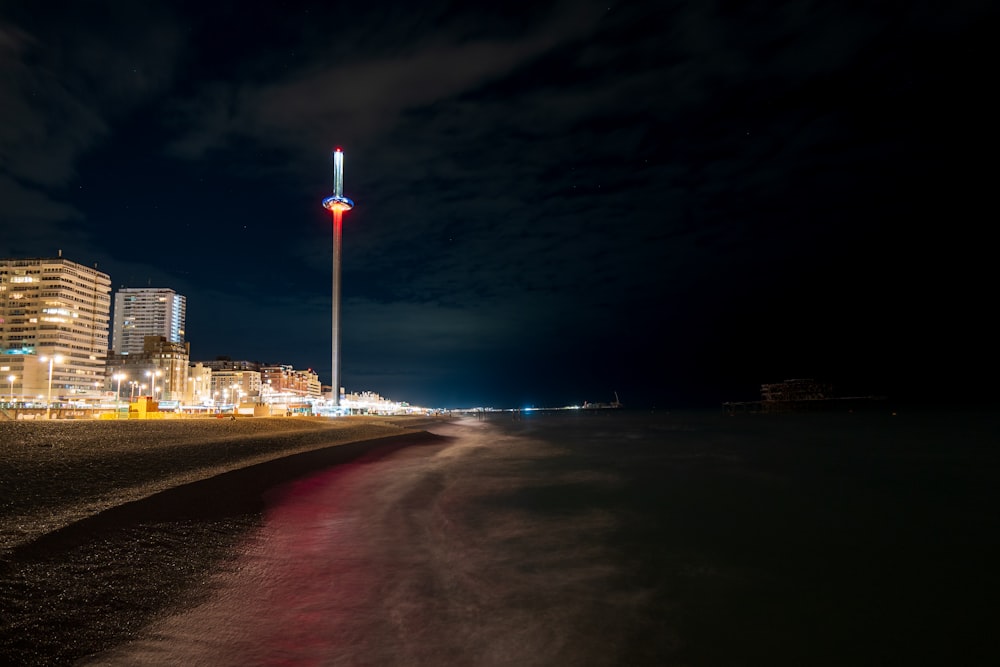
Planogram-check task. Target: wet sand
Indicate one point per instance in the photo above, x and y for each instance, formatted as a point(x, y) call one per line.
point(107, 525)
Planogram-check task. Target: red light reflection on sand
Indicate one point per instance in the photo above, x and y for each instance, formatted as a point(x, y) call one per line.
point(320, 580)
point(299, 511)
point(302, 590)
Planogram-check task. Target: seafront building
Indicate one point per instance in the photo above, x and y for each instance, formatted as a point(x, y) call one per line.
point(228, 364)
point(283, 379)
point(62, 346)
point(226, 380)
point(221, 380)
point(54, 319)
point(199, 382)
point(371, 403)
point(158, 370)
point(234, 386)
point(146, 311)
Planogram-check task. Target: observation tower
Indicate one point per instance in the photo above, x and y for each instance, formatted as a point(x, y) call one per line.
point(337, 204)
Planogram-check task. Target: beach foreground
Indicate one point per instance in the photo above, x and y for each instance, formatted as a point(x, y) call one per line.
point(58, 472)
point(105, 525)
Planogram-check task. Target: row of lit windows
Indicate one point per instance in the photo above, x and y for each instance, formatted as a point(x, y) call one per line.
point(82, 298)
point(30, 281)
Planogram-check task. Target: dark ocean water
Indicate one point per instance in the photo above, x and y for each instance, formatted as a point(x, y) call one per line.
point(617, 538)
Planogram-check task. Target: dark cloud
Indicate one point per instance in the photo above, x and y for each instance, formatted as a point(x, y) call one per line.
point(555, 200)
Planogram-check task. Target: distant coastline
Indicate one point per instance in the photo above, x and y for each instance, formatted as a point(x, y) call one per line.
point(613, 405)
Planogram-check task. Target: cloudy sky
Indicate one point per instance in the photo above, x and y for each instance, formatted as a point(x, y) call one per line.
point(555, 201)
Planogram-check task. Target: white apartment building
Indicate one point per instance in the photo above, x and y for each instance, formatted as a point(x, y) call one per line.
point(54, 317)
point(146, 311)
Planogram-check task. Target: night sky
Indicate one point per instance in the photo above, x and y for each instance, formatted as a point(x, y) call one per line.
point(675, 201)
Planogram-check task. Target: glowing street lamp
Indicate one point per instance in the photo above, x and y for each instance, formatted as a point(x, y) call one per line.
point(152, 381)
point(193, 392)
point(118, 394)
point(54, 359)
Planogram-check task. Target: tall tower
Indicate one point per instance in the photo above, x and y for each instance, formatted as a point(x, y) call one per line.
point(146, 311)
point(337, 204)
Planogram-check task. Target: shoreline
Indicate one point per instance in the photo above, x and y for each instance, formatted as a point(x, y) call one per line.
point(89, 571)
point(58, 473)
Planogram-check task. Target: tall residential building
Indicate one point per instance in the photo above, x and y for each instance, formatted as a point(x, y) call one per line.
point(146, 311)
point(54, 314)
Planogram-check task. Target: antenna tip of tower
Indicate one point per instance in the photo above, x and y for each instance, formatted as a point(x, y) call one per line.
point(338, 149)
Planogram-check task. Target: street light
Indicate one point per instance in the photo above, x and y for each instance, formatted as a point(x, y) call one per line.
point(118, 394)
point(11, 378)
point(197, 395)
point(54, 359)
point(152, 381)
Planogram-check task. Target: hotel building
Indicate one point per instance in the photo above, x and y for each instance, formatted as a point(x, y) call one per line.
point(54, 314)
point(159, 370)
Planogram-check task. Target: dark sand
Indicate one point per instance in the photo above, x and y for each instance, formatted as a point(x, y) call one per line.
point(105, 525)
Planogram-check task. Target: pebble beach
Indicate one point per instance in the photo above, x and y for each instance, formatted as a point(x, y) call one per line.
point(106, 525)
point(57, 472)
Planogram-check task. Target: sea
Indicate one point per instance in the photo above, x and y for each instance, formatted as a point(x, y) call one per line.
point(607, 537)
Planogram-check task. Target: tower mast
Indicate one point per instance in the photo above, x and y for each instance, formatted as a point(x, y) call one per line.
point(337, 204)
